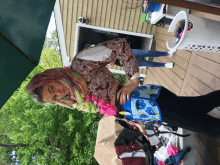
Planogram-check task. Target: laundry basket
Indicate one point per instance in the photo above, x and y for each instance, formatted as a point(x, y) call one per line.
point(204, 36)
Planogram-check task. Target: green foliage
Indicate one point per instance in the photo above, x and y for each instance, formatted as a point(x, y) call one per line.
point(52, 130)
point(52, 42)
point(121, 79)
point(50, 59)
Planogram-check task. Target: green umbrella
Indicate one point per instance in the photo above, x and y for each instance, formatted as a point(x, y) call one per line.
point(23, 26)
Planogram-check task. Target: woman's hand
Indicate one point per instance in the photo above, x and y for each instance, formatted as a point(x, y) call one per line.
point(124, 93)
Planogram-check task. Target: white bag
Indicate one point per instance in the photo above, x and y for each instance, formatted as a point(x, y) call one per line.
point(162, 154)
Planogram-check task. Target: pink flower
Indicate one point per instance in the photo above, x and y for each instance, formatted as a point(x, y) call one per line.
point(102, 103)
point(161, 163)
point(66, 67)
point(110, 111)
point(94, 99)
point(104, 106)
point(87, 98)
point(102, 111)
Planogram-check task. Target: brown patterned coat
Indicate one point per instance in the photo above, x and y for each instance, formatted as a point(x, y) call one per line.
point(98, 78)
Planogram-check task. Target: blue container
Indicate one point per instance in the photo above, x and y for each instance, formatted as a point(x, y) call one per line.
point(153, 7)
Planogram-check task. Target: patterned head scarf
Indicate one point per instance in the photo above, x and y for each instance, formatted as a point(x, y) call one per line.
point(72, 80)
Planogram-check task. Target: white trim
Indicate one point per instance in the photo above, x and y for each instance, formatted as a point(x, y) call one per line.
point(60, 31)
point(150, 45)
point(139, 153)
point(123, 72)
point(78, 25)
point(77, 31)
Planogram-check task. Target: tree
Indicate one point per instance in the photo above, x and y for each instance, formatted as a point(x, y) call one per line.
point(52, 42)
point(54, 134)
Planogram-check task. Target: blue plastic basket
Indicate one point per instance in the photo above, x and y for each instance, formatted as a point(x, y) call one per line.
point(153, 7)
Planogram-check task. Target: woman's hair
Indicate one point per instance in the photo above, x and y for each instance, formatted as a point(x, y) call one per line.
point(72, 80)
point(36, 95)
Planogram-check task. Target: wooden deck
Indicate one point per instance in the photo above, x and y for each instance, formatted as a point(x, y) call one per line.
point(194, 73)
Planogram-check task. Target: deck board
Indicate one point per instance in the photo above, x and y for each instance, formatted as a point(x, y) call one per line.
point(205, 152)
point(168, 80)
point(146, 81)
point(209, 66)
point(184, 54)
point(149, 28)
point(190, 91)
point(153, 29)
point(159, 78)
point(212, 56)
point(172, 75)
point(163, 37)
point(199, 85)
point(149, 79)
point(206, 77)
point(152, 77)
point(162, 30)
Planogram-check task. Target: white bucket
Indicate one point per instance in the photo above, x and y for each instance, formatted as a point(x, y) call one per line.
point(204, 36)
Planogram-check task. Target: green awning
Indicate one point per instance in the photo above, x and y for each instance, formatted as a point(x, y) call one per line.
point(23, 26)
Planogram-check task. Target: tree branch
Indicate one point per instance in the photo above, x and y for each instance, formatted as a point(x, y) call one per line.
point(2, 134)
point(13, 145)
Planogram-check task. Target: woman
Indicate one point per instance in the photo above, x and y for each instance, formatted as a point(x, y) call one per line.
point(89, 77)
point(89, 67)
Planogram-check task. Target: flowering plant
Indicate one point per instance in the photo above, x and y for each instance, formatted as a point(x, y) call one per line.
point(104, 107)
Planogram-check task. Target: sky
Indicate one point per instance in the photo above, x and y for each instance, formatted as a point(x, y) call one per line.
point(52, 25)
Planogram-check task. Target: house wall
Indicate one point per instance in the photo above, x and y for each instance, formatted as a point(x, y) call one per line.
point(115, 14)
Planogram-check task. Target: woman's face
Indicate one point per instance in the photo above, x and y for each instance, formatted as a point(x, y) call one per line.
point(53, 91)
